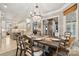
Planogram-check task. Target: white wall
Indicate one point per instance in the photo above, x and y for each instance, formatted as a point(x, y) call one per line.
point(77, 26)
point(60, 20)
point(22, 25)
point(0, 24)
point(78, 21)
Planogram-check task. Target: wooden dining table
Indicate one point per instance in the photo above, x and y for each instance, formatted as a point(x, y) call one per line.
point(52, 42)
point(49, 41)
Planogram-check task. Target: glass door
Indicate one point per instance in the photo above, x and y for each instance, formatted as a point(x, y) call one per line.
point(71, 27)
point(71, 23)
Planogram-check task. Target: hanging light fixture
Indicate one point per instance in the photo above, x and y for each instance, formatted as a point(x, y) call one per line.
point(36, 16)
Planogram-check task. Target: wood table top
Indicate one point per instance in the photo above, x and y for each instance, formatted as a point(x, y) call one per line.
point(49, 41)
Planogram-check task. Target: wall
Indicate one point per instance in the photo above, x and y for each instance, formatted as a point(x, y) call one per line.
point(24, 26)
point(78, 21)
point(76, 44)
point(0, 24)
point(60, 20)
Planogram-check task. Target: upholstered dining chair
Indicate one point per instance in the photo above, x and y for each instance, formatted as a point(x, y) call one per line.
point(69, 44)
point(67, 35)
point(65, 48)
point(20, 44)
point(62, 51)
point(31, 50)
point(20, 47)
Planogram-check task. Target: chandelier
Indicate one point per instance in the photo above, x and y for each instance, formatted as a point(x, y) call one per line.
point(35, 14)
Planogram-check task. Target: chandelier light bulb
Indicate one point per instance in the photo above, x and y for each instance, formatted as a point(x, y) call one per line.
point(36, 13)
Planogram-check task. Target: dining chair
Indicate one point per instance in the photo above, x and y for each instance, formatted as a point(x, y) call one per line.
point(62, 51)
point(67, 35)
point(20, 44)
point(31, 49)
point(69, 45)
point(64, 40)
point(65, 48)
point(20, 47)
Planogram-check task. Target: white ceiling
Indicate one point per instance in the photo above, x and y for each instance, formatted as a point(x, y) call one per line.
point(19, 11)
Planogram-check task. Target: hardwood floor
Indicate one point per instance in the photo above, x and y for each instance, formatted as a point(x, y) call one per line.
point(5, 47)
point(9, 49)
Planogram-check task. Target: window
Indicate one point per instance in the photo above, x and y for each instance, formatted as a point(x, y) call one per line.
point(70, 23)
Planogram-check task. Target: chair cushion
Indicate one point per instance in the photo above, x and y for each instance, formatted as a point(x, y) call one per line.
point(62, 54)
point(28, 53)
point(39, 53)
point(36, 49)
point(36, 53)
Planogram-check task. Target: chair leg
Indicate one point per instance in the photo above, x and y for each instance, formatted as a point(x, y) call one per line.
point(43, 51)
point(32, 53)
point(57, 51)
point(20, 52)
point(17, 52)
point(24, 52)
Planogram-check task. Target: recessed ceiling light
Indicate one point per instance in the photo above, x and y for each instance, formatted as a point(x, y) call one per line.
point(5, 6)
